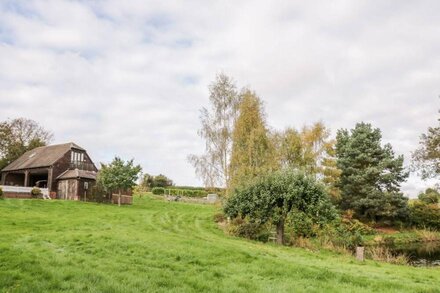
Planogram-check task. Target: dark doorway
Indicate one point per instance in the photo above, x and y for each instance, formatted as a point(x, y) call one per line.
point(38, 179)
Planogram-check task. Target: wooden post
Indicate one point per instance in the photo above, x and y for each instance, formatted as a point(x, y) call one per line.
point(3, 181)
point(280, 232)
point(49, 179)
point(119, 198)
point(26, 178)
point(360, 253)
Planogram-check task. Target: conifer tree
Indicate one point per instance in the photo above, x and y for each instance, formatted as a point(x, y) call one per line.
point(371, 174)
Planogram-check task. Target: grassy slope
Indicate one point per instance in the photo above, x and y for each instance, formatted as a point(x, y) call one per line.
point(160, 246)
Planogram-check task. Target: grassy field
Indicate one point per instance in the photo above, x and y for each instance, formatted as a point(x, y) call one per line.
point(51, 246)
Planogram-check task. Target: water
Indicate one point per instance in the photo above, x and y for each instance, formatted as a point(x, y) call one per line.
point(420, 254)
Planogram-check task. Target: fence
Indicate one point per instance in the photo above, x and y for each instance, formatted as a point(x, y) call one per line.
point(125, 199)
point(19, 191)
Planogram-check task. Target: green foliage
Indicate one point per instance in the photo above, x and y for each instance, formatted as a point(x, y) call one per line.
point(370, 175)
point(148, 181)
point(248, 229)
point(426, 158)
point(424, 215)
point(300, 224)
point(252, 150)
point(275, 196)
point(99, 193)
point(312, 151)
point(430, 196)
point(161, 181)
point(340, 236)
point(119, 176)
point(187, 192)
point(18, 136)
point(35, 192)
point(158, 190)
point(219, 217)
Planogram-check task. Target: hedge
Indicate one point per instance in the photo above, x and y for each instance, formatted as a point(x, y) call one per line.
point(158, 190)
point(187, 192)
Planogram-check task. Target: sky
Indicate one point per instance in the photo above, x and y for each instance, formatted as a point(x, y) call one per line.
point(128, 78)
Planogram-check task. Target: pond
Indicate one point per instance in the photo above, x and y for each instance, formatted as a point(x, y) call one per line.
point(420, 253)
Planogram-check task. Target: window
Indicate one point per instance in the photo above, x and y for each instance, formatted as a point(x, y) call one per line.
point(76, 157)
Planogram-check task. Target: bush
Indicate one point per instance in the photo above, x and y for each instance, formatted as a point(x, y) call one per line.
point(247, 229)
point(35, 192)
point(1, 193)
point(158, 190)
point(345, 232)
point(219, 217)
point(423, 215)
point(338, 234)
point(299, 224)
point(188, 192)
point(99, 194)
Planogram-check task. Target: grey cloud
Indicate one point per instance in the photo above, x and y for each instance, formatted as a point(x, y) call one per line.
point(128, 77)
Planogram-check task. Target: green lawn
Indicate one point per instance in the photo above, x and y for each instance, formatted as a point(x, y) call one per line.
point(51, 246)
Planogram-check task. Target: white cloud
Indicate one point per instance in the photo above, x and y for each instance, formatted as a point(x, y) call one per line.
point(128, 77)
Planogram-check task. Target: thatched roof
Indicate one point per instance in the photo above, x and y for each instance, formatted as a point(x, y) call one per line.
point(44, 156)
point(75, 173)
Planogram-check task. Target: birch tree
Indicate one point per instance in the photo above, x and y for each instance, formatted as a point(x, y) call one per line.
point(217, 126)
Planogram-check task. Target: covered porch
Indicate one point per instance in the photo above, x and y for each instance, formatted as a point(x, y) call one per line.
point(39, 177)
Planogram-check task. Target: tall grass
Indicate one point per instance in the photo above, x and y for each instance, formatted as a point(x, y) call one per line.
point(428, 235)
point(383, 253)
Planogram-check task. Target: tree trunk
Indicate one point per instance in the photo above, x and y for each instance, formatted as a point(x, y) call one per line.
point(119, 199)
point(280, 232)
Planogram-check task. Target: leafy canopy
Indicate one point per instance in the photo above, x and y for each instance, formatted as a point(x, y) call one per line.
point(273, 197)
point(119, 175)
point(18, 136)
point(311, 150)
point(430, 196)
point(252, 148)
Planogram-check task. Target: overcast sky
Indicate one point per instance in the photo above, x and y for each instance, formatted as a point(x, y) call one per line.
point(128, 78)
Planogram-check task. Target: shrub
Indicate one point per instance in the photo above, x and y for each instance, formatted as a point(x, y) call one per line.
point(35, 192)
point(1, 193)
point(219, 217)
point(423, 215)
point(345, 232)
point(247, 229)
point(299, 224)
point(158, 190)
point(188, 192)
point(430, 196)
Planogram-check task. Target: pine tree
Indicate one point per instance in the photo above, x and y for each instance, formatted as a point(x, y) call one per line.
point(252, 149)
point(371, 174)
